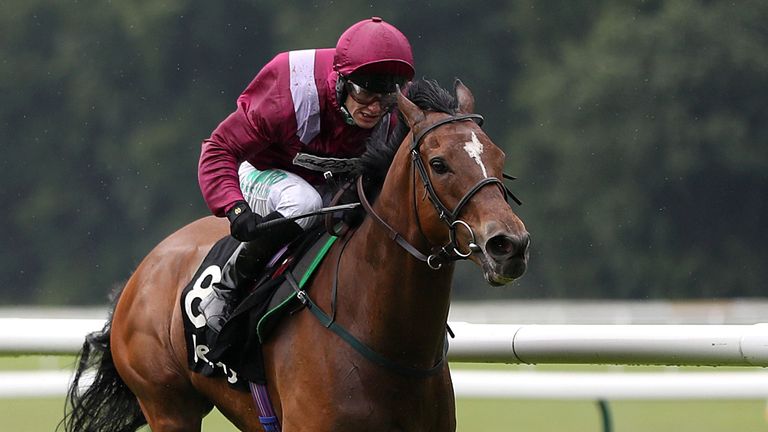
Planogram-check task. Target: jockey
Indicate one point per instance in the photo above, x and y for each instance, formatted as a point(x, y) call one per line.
point(302, 119)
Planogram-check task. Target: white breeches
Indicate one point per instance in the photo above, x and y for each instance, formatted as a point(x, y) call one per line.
point(278, 190)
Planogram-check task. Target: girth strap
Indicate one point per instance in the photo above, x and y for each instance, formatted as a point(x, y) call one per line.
point(267, 416)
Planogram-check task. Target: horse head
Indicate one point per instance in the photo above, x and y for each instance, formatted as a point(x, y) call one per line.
point(460, 199)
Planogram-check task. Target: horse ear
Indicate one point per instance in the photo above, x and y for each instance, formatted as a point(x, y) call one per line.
point(411, 112)
point(466, 100)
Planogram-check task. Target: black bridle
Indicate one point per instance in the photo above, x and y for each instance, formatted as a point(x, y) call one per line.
point(451, 251)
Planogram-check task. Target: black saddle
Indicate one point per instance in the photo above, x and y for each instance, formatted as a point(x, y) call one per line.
point(236, 351)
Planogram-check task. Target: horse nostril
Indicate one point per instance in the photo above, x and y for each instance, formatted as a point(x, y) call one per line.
point(504, 246)
point(500, 246)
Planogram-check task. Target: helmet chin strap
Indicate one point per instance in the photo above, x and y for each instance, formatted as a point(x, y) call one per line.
point(347, 116)
point(341, 98)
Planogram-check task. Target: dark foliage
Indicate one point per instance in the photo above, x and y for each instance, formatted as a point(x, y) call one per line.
point(636, 128)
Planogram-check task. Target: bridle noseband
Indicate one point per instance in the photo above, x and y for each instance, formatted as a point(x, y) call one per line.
point(451, 251)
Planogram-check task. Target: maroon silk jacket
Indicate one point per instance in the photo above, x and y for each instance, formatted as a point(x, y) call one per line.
point(289, 107)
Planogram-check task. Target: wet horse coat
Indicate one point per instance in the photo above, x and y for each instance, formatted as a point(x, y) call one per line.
point(391, 300)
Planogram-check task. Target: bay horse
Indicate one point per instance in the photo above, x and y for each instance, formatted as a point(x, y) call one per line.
point(441, 200)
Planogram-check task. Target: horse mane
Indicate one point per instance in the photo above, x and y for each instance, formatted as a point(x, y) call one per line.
point(381, 148)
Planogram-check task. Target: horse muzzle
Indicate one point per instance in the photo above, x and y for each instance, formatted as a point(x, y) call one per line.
point(505, 257)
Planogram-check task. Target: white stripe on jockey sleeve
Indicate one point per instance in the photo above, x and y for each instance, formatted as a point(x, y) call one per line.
point(306, 103)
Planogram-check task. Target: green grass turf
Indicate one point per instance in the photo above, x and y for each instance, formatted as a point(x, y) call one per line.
point(26, 363)
point(494, 415)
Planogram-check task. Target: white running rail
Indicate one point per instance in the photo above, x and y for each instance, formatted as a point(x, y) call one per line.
point(732, 345)
point(715, 345)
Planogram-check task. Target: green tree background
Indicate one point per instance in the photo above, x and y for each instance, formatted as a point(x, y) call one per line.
point(637, 129)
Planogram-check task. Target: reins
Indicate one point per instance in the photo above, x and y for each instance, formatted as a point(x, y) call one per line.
point(391, 232)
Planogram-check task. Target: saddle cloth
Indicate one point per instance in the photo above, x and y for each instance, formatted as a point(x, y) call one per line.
point(236, 352)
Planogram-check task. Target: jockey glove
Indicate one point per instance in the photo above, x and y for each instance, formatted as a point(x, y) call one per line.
point(243, 222)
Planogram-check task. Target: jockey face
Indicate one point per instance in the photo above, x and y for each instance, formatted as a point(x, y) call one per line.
point(367, 107)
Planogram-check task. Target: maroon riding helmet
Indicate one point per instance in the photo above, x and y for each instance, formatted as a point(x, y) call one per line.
point(374, 55)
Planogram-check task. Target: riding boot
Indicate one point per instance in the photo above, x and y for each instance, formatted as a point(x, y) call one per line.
point(245, 264)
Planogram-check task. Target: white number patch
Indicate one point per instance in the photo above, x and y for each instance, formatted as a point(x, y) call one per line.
point(210, 276)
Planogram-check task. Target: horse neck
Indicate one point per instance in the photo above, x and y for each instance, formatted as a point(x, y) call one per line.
point(400, 302)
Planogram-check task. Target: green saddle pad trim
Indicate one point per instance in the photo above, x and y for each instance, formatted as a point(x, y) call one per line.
point(316, 262)
point(304, 279)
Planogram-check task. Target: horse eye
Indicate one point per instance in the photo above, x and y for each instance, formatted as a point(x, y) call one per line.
point(438, 166)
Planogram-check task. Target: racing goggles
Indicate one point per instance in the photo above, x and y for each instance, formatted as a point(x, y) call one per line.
point(364, 96)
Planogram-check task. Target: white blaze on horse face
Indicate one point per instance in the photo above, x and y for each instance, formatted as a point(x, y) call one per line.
point(474, 149)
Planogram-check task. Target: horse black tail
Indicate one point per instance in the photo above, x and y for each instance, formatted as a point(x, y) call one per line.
point(104, 404)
